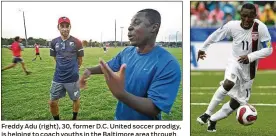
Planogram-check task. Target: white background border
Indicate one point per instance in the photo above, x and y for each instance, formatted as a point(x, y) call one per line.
point(185, 124)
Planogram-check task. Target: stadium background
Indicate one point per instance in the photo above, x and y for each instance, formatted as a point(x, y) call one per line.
point(206, 75)
point(204, 21)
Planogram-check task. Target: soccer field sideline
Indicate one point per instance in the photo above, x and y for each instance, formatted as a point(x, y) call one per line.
point(203, 93)
point(212, 88)
point(254, 104)
point(221, 72)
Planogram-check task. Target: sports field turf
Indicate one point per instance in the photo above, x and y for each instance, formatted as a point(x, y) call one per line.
point(203, 86)
point(26, 97)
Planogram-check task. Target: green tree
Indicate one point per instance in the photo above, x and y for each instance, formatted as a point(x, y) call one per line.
point(84, 43)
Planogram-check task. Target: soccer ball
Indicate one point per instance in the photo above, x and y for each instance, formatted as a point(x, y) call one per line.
point(246, 114)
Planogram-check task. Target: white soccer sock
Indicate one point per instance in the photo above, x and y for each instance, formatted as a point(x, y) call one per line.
point(224, 112)
point(217, 98)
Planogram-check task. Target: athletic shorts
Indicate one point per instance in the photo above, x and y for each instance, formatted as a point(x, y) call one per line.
point(58, 90)
point(37, 53)
point(17, 59)
point(242, 88)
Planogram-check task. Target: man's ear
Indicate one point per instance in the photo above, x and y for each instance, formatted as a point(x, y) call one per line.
point(155, 28)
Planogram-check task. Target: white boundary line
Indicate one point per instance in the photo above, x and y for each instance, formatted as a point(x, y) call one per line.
point(200, 73)
point(211, 88)
point(203, 93)
point(255, 104)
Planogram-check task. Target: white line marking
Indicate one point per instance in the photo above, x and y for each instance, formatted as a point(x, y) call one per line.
point(202, 93)
point(205, 88)
point(266, 87)
point(255, 104)
point(214, 88)
point(199, 73)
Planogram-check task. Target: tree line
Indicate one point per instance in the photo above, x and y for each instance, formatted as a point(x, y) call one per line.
point(45, 43)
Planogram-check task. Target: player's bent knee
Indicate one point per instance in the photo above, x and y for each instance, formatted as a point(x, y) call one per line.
point(234, 104)
point(228, 85)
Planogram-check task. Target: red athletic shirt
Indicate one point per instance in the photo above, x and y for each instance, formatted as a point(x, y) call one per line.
point(36, 49)
point(16, 49)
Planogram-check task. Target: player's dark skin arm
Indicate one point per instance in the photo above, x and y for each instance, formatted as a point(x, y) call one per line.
point(115, 82)
point(201, 55)
point(79, 61)
point(87, 73)
point(140, 104)
point(92, 71)
point(244, 59)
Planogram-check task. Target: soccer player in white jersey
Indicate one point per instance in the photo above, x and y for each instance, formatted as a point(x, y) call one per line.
point(251, 41)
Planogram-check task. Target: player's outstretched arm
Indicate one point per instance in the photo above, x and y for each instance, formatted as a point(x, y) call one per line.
point(115, 84)
point(217, 36)
point(86, 74)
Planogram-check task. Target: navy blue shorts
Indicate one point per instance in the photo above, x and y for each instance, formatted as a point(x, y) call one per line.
point(37, 53)
point(16, 60)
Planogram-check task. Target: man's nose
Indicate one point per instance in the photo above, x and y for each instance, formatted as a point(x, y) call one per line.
point(246, 19)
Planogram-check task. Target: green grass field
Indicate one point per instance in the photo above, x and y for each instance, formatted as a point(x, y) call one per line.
point(26, 97)
point(263, 91)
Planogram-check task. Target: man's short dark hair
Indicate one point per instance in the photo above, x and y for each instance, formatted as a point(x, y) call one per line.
point(249, 6)
point(153, 15)
point(17, 38)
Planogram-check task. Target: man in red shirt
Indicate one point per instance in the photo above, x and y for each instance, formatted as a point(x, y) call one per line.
point(16, 52)
point(37, 51)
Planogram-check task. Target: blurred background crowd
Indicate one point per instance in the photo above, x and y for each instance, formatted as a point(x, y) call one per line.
point(215, 14)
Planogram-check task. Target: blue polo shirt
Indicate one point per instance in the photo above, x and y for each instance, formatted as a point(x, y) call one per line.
point(155, 75)
point(66, 53)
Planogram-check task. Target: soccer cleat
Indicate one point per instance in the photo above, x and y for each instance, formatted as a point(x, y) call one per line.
point(203, 119)
point(211, 126)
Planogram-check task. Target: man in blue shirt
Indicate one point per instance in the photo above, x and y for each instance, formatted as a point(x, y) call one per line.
point(67, 52)
point(149, 75)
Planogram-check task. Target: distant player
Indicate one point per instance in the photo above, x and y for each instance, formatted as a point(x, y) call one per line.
point(37, 51)
point(251, 41)
point(107, 47)
point(17, 58)
point(67, 52)
point(104, 48)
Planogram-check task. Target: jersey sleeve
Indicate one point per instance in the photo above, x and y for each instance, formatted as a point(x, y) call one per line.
point(266, 47)
point(115, 62)
point(80, 52)
point(52, 49)
point(217, 36)
point(164, 87)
